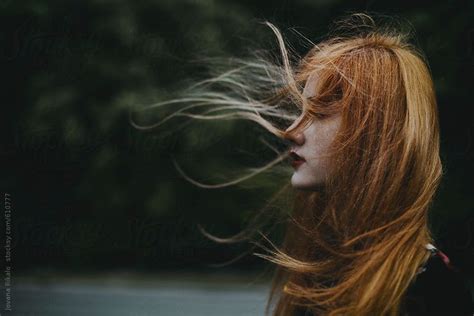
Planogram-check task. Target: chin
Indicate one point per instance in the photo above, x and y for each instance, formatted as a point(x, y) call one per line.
point(299, 184)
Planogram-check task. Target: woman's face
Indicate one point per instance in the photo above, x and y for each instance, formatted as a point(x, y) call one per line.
point(312, 144)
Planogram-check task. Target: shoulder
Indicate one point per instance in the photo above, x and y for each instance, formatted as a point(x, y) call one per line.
point(439, 289)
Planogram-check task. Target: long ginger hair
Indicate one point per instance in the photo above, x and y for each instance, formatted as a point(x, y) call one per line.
point(353, 246)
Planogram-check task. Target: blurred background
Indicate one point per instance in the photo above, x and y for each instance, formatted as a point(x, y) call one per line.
point(98, 216)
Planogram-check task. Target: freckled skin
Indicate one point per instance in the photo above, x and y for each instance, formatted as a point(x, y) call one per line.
point(313, 146)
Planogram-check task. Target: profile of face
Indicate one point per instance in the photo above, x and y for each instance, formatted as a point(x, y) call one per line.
point(312, 144)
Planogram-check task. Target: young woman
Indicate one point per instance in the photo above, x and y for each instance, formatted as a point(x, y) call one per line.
point(360, 113)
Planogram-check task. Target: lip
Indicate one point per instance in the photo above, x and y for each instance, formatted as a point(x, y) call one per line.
point(296, 160)
point(297, 163)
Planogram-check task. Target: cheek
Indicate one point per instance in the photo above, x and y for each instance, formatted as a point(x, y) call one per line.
point(319, 142)
point(319, 137)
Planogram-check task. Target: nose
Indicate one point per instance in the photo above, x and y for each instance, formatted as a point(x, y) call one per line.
point(293, 135)
point(296, 137)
